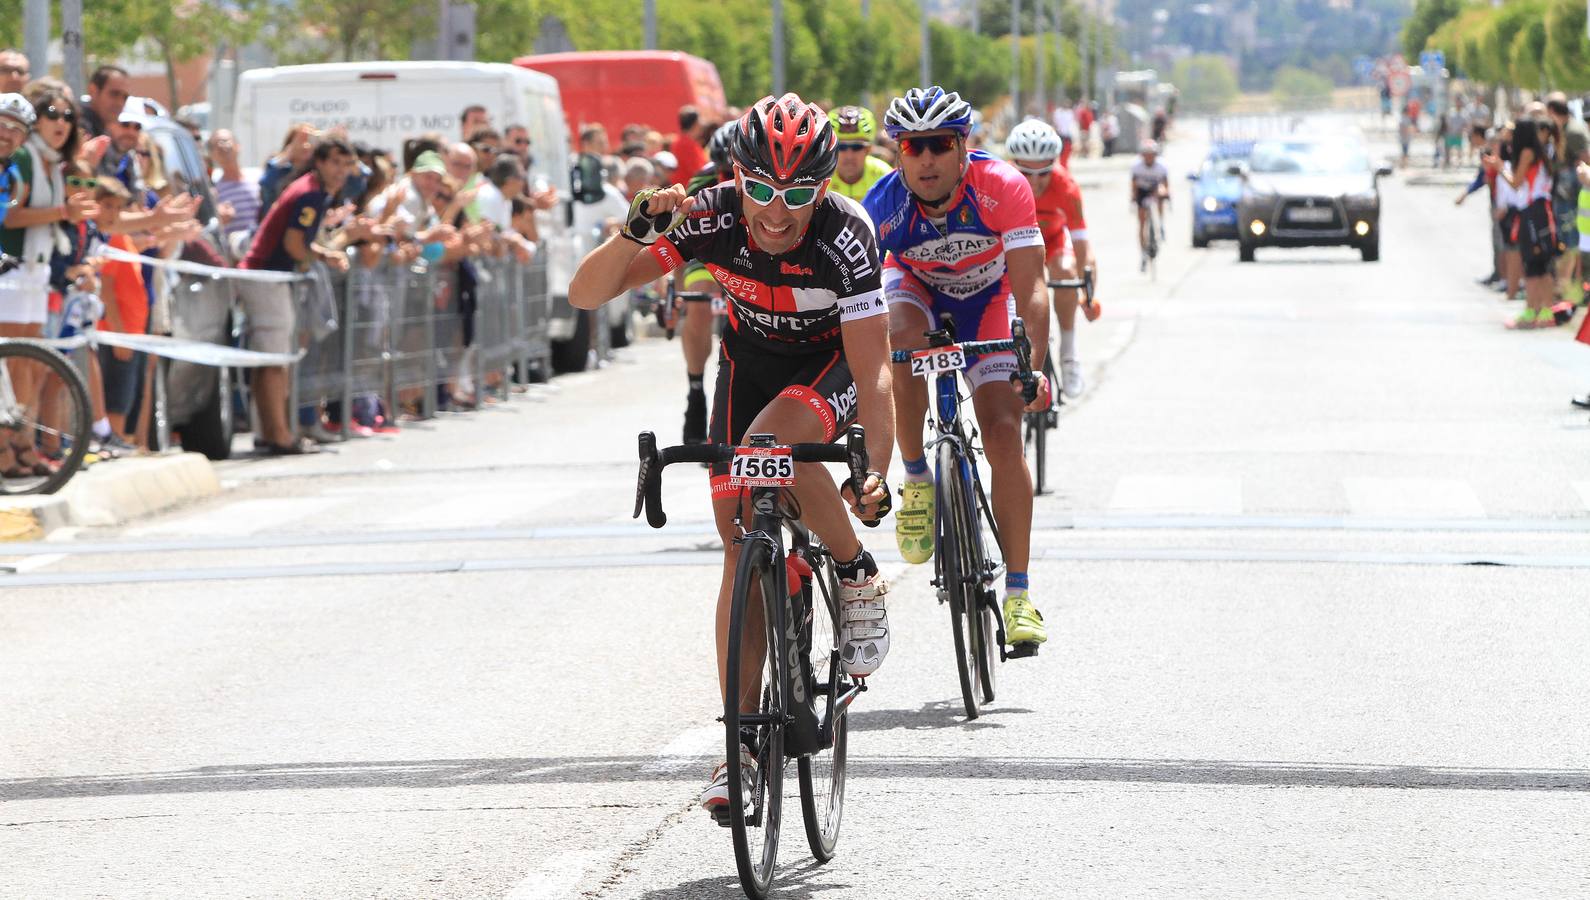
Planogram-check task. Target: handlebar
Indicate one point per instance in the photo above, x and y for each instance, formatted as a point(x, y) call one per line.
point(1018, 343)
point(1085, 284)
point(648, 487)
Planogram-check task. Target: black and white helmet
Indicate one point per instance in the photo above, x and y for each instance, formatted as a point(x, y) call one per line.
point(928, 109)
point(17, 107)
point(1033, 139)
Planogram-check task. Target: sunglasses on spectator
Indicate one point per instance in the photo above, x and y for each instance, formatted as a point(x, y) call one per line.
point(935, 144)
point(1036, 173)
point(521, 142)
point(852, 145)
point(484, 148)
point(80, 182)
point(57, 113)
point(762, 193)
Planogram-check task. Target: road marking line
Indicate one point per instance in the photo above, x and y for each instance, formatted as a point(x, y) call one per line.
point(33, 563)
point(1402, 497)
point(1583, 487)
point(1177, 494)
point(687, 750)
point(556, 878)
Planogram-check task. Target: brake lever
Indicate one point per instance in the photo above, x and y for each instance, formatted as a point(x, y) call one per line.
point(1029, 381)
point(856, 449)
point(648, 486)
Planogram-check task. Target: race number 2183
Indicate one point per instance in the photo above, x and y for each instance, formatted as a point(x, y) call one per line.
point(932, 361)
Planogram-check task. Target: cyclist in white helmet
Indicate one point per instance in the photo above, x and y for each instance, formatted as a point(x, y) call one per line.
point(1034, 148)
point(1150, 180)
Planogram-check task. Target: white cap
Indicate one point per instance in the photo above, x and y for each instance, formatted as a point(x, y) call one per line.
point(133, 112)
point(666, 160)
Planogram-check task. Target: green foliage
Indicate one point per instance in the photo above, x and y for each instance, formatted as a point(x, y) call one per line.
point(1428, 16)
point(1567, 53)
point(1206, 82)
point(1528, 51)
point(1301, 89)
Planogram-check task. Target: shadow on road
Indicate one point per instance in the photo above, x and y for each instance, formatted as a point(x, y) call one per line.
point(931, 717)
point(445, 773)
point(798, 882)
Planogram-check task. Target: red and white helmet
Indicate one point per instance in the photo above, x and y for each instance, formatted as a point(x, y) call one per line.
point(786, 140)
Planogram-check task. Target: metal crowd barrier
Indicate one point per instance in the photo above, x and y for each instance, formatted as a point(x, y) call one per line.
point(398, 332)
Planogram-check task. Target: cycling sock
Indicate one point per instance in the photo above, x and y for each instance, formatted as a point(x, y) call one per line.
point(1068, 343)
point(102, 429)
point(1015, 582)
point(698, 384)
point(916, 470)
point(857, 570)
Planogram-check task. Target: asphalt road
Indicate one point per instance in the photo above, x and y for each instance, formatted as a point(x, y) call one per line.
point(1314, 575)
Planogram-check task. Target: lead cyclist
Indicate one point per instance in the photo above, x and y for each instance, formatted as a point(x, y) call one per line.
point(961, 232)
point(806, 353)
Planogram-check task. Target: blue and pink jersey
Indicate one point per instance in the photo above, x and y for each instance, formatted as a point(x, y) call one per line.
point(957, 266)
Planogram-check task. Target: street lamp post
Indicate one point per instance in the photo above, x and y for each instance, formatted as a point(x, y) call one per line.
point(1015, 58)
point(927, 51)
point(778, 48)
point(651, 24)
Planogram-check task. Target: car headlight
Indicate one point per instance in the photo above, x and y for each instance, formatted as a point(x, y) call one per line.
point(1211, 204)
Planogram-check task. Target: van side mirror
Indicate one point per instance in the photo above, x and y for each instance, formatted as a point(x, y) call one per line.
point(1383, 170)
point(1237, 169)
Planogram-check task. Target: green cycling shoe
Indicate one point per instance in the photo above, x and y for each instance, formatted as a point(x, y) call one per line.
point(913, 523)
point(1023, 624)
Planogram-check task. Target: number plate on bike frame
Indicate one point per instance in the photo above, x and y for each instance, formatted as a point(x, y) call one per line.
point(758, 467)
point(934, 360)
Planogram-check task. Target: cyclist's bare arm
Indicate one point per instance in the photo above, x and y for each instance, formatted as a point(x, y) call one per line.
point(1031, 290)
point(620, 264)
point(866, 344)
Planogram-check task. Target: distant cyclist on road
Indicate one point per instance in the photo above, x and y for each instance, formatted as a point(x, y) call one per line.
point(858, 170)
point(1033, 148)
point(806, 353)
point(695, 329)
point(1150, 181)
point(962, 237)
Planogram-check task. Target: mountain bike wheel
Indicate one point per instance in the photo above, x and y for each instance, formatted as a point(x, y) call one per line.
point(55, 422)
point(959, 569)
point(822, 774)
point(754, 819)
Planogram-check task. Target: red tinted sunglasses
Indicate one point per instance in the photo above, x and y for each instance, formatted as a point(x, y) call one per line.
point(935, 144)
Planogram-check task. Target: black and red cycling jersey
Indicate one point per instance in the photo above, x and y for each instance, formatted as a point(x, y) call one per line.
point(793, 303)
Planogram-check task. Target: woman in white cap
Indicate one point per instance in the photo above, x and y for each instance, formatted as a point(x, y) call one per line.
point(30, 235)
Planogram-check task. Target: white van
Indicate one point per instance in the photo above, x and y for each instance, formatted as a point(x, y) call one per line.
point(385, 103)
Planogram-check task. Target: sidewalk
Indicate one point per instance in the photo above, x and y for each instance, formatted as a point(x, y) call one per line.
point(109, 494)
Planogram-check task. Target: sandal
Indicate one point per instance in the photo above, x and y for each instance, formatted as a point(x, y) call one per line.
point(37, 467)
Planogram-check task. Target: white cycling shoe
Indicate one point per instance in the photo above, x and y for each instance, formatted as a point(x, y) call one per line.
point(1071, 381)
point(715, 799)
point(864, 625)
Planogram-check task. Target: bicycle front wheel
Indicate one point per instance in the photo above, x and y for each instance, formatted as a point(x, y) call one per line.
point(822, 774)
point(960, 570)
point(44, 408)
point(754, 703)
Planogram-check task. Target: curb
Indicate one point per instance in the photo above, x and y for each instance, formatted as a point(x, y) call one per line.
point(110, 494)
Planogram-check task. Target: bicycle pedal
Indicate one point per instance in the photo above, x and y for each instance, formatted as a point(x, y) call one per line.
point(721, 815)
point(1022, 650)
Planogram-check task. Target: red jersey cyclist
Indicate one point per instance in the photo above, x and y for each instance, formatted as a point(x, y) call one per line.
point(806, 353)
point(962, 236)
point(1033, 147)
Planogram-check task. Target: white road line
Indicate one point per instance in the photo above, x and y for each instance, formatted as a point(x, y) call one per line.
point(1177, 494)
point(1402, 497)
point(687, 750)
point(1583, 487)
point(557, 878)
point(34, 563)
point(245, 517)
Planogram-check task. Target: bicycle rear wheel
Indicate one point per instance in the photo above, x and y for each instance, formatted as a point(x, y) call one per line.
point(959, 569)
point(54, 421)
point(822, 774)
point(755, 620)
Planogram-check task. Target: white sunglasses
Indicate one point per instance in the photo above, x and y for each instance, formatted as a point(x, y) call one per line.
point(761, 193)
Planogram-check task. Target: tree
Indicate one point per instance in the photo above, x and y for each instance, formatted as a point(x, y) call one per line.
point(1428, 15)
point(1206, 82)
point(1567, 53)
point(1528, 53)
point(175, 32)
point(1301, 89)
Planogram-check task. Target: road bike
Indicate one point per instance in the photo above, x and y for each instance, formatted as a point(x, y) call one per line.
point(668, 309)
point(1150, 242)
point(964, 572)
point(1035, 426)
point(784, 612)
point(54, 423)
